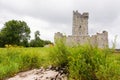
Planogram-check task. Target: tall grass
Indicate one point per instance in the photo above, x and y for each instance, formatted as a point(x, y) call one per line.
point(81, 62)
point(14, 60)
point(59, 54)
point(87, 62)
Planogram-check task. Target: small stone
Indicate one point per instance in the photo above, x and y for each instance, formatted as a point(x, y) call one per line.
point(57, 68)
point(22, 75)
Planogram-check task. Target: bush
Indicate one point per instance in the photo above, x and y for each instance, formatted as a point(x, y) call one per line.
point(91, 63)
point(30, 61)
point(59, 54)
point(83, 64)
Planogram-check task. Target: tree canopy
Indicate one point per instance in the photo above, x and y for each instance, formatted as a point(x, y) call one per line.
point(38, 42)
point(15, 32)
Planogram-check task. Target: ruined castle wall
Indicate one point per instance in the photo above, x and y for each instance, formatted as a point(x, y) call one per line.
point(58, 36)
point(102, 39)
point(77, 40)
point(70, 41)
point(93, 40)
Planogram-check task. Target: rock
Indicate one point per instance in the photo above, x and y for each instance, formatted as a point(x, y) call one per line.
point(41, 74)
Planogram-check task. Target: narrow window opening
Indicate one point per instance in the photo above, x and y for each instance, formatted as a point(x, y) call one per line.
point(80, 30)
point(80, 27)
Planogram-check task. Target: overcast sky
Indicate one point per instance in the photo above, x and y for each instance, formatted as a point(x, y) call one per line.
point(51, 16)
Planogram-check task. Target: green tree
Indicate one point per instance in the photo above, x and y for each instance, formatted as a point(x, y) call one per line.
point(37, 35)
point(46, 42)
point(15, 32)
point(38, 42)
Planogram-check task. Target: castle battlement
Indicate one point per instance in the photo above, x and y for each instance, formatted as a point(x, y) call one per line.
point(85, 15)
point(80, 33)
point(77, 14)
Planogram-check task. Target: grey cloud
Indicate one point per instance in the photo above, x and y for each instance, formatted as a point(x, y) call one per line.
point(104, 14)
point(60, 11)
point(101, 12)
point(51, 10)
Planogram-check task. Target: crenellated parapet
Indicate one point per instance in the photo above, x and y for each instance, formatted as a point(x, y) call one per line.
point(58, 35)
point(102, 39)
point(84, 15)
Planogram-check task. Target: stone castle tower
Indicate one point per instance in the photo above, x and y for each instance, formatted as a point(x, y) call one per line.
point(80, 33)
point(80, 24)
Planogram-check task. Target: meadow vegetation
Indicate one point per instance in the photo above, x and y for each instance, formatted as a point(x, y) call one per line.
point(81, 62)
point(14, 60)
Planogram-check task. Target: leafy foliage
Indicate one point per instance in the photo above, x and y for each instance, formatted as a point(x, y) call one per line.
point(59, 54)
point(15, 33)
point(38, 42)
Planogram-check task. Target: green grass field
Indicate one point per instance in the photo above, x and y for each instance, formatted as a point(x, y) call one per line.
point(81, 62)
point(14, 60)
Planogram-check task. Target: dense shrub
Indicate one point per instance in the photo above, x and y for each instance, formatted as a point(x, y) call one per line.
point(91, 63)
point(59, 54)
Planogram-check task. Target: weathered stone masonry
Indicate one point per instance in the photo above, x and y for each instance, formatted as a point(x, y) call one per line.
point(80, 33)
